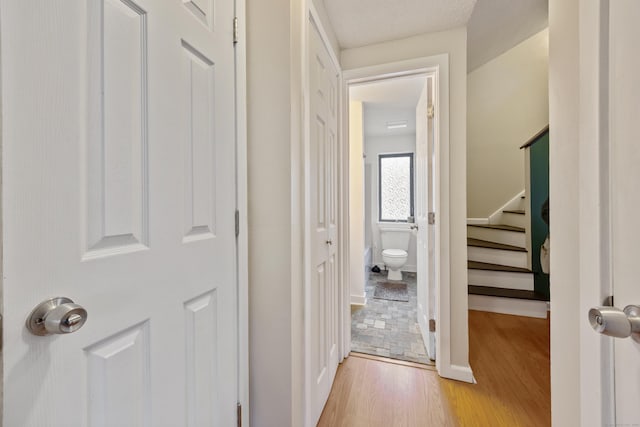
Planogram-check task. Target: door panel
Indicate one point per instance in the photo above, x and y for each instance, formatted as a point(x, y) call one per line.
point(425, 179)
point(624, 151)
point(119, 193)
point(324, 204)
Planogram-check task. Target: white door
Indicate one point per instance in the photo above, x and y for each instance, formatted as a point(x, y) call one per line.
point(118, 184)
point(624, 151)
point(323, 297)
point(425, 185)
point(615, 249)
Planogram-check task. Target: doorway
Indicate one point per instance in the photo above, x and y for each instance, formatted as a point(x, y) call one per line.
point(392, 187)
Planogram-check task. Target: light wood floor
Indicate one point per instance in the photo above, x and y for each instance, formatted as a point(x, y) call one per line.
point(509, 356)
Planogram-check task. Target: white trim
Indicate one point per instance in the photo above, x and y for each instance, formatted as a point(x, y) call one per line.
point(315, 17)
point(242, 241)
point(596, 352)
point(358, 300)
point(513, 306)
point(439, 65)
point(496, 217)
point(457, 372)
point(477, 221)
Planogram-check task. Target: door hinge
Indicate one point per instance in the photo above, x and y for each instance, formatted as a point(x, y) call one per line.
point(235, 30)
point(432, 218)
point(431, 111)
point(432, 325)
point(237, 223)
point(239, 414)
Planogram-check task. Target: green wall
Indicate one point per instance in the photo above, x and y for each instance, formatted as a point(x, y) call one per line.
point(539, 158)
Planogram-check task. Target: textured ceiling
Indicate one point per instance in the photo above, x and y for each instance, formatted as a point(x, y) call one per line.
point(363, 22)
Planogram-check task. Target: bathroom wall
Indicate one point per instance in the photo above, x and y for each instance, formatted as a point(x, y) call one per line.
point(373, 146)
point(357, 273)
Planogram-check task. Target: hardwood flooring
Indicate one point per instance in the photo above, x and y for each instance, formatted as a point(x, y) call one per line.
point(510, 360)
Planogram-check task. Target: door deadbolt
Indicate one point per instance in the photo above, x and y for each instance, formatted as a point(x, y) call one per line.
point(58, 315)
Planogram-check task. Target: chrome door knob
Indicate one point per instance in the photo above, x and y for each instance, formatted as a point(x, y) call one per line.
point(56, 316)
point(613, 322)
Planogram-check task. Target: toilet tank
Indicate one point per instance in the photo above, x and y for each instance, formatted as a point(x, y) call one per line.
point(395, 238)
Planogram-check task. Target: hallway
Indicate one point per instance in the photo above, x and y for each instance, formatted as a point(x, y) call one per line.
point(510, 359)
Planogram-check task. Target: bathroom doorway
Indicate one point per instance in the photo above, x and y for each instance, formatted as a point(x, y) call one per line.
point(392, 187)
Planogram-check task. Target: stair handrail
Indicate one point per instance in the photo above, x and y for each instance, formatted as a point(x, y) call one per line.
point(535, 138)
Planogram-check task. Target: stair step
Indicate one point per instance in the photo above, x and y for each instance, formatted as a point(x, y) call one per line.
point(493, 245)
point(501, 279)
point(504, 234)
point(475, 265)
point(514, 211)
point(506, 293)
point(499, 227)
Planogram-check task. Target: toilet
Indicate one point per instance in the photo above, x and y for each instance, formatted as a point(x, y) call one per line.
point(395, 244)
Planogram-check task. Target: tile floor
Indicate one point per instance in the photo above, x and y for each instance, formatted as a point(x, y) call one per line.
point(388, 328)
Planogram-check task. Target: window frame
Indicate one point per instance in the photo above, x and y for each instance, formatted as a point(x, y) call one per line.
point(411, 185)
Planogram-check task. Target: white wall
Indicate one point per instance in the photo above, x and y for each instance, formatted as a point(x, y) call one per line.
point(564, 98)
point(507, 104)
point(373, 146)
point(453, 43)
point(356, 203)
point(274, 93)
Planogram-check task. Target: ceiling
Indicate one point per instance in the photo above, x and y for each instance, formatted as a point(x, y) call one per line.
point(386, 101)
point(498, 25)
point(494, 26)
point(362, 22)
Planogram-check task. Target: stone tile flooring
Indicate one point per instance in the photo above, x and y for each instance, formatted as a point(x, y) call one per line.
point(388, 328)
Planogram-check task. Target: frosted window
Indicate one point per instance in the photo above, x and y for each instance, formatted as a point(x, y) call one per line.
point(396, 187)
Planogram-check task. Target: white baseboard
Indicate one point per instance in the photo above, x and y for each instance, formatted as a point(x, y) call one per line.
point(358, 299)
point(496, 217)
point(406, 268)
point(457, 372)
point(513, 306)
point(477, 221)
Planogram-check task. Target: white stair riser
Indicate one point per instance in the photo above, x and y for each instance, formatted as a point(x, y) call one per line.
point(517, 307)
point(513, 238)
point(515, 220)
point(497, 256)
point(501, 279)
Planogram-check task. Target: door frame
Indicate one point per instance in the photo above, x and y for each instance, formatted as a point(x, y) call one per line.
point(440, 65)
point(242, 193)
point(595, 284)
point(241, 248)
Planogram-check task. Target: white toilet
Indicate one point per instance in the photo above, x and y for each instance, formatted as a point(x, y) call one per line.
point(395, 244)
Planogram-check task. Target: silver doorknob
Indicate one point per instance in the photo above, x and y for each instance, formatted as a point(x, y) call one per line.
point(58, 315)
point(329, 242)
point(613, 322)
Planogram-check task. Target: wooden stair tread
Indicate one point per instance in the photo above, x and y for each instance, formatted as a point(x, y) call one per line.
point(475, 265)
point(506, 293)
point(493, 245)
point(499, 227)
point(514, 211)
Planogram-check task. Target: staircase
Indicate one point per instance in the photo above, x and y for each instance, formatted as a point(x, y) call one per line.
point(500, 278)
